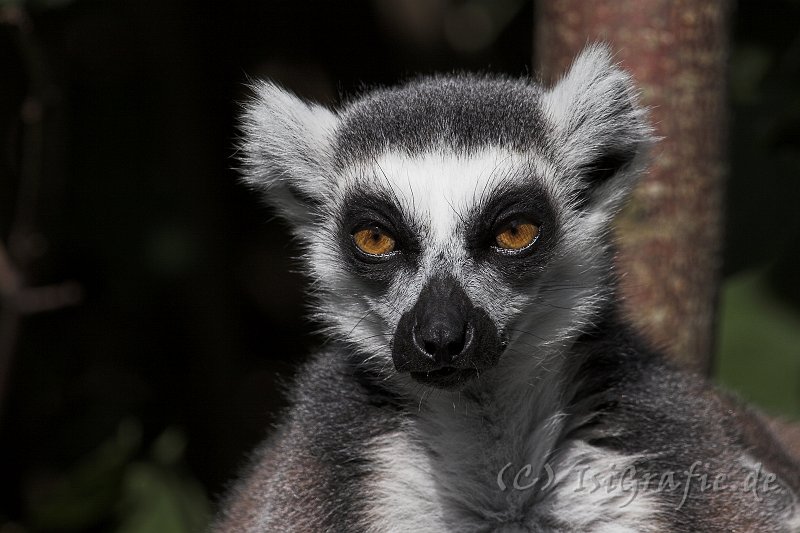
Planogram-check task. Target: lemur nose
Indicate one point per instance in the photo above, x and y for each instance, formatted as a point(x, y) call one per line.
point(442, 326)
point(444, 338)
point(442, 341)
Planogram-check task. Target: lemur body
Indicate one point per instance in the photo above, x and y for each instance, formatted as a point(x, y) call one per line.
point(480, 375)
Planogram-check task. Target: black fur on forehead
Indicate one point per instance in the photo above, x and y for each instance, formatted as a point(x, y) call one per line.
point(461, 112)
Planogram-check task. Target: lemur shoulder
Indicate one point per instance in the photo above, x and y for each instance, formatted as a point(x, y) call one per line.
point(480, 375)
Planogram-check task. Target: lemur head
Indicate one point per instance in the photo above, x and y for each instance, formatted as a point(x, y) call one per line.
point(454, 226)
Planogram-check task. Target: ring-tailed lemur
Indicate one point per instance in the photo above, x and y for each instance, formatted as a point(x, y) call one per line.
point(480, 376)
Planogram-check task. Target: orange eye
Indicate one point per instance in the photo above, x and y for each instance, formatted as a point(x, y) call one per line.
point(374, 241)
point(516, 235)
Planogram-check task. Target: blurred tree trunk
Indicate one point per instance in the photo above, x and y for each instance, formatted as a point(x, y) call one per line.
point(670, 235)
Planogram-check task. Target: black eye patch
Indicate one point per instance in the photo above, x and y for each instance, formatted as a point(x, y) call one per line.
point(510, 204)
point(374, 209)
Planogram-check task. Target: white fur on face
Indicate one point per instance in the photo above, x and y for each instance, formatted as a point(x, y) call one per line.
point(439, 191)
point(439, 188)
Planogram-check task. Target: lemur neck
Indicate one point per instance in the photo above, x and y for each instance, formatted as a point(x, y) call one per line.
point(525, 407)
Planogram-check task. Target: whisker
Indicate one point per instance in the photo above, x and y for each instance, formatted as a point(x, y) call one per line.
point(527, 333)
point(552, 306)
point(359, 322)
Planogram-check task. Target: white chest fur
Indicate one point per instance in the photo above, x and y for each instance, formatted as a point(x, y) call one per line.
point(467, 475)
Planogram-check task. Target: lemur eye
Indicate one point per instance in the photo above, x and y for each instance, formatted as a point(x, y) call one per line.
point(374, 241)
point(516, 235)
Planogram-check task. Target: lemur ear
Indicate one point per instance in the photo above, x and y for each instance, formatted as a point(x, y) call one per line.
point(601, 130)
point(286, 150)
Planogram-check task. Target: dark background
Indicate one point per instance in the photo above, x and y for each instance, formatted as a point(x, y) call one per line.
point(132, 408)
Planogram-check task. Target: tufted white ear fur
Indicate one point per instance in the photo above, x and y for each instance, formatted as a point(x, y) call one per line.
point(286, 150)
point(600, 129)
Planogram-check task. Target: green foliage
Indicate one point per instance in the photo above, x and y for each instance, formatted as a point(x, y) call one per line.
point(759, 337)
point(118, 488)
point(161, 499)
point(759, 344)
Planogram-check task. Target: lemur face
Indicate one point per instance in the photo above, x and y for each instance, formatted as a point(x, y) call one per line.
point(453, 227)
point(447, 251)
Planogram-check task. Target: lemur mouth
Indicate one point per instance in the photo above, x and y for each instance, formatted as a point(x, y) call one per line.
point(446, 378)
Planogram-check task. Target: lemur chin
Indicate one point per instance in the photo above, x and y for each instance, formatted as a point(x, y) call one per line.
point(480, 375)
